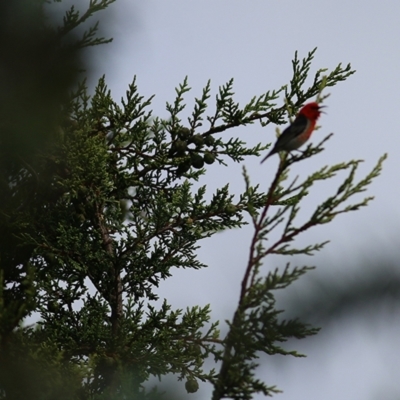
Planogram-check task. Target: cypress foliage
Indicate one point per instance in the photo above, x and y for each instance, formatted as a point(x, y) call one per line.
point(94, 219)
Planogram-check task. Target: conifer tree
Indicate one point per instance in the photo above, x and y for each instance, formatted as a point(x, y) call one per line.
point(96, 217)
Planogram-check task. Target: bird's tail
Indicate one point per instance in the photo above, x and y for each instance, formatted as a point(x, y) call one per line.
point(272, 152)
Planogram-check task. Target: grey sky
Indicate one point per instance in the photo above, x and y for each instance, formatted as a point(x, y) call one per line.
point(163, 41)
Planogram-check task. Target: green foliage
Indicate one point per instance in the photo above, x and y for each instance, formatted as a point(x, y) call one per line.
point(42, 63)
point(73, 20)
point(95, 220)
point(256, 327)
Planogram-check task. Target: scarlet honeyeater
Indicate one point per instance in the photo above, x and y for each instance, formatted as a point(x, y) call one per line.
point(297, 133)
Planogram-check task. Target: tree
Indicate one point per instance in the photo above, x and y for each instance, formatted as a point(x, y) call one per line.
point(96, 217)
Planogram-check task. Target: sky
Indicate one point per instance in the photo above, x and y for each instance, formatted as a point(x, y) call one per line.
point(254, 42)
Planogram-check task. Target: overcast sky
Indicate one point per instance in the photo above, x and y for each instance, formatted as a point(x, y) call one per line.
point(254, 42)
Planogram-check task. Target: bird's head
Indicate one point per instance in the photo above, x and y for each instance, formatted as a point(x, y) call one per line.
point(312, 110)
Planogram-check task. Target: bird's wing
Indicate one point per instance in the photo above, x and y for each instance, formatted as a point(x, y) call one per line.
point(298, 126)
point(287, 140)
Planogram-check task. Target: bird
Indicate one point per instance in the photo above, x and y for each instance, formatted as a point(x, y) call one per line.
point(299, 131)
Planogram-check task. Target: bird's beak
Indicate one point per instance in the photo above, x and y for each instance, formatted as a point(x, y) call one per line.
point(319, 109)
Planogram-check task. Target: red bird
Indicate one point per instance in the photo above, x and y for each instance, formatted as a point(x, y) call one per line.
point(296, 134)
